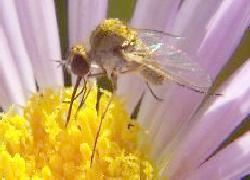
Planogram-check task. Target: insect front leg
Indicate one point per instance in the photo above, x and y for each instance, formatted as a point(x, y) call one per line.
point(114, 85)
point(153, 93)
point(84, 97)
point(99, 129)
point(82, 91)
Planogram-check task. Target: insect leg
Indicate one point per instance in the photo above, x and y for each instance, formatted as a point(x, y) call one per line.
point(78, 80)
point(77, 95)
point(199, 91)
point(153, 93)
point(99, 130)
point(84, 97)
point(114, 85)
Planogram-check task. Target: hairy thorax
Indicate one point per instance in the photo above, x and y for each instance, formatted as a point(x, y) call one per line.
point(115, 46)
point(107, 40)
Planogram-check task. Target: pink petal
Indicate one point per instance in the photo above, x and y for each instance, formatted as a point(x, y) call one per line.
point(9, 19)
point(11, 91)
point(39, 28)
point(213, 123)
point(130, 89)
point(231, 163)
point(191, 22)
point(155, 14)
point(84, 16)
point(226, 27)
point(179, 103)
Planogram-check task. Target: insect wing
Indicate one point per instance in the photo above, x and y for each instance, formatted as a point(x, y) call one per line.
point(153, 38)
point(174, 62)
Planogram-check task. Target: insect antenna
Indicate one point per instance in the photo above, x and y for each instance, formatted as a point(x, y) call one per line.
point(61, 63)
point(78, 80)
point(65, 66)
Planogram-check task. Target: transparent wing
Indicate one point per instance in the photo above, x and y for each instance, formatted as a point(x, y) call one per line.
point(172, 62)
point(157, 34)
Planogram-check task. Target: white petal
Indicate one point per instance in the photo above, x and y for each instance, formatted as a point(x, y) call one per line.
point(229, 164)
point(9, 19)
point(39, 28)
point(84, 16)
point(179, 104)
point(213, 123)
point(11, 91)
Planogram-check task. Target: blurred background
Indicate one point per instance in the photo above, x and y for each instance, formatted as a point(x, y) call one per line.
point(124, 9)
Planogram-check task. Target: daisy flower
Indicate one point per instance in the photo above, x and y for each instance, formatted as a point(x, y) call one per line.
point(185, 136)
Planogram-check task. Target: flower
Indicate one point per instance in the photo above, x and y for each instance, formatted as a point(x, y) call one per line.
point(38, 145)
point(185, 130)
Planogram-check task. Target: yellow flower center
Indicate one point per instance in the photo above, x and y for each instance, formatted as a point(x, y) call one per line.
point(37, 145)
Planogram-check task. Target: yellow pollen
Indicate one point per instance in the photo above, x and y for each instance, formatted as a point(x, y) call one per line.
point(116, 27)
point(78, 49)
point(37, 145)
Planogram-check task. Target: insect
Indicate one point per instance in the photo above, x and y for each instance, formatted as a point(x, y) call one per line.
point(119, 49)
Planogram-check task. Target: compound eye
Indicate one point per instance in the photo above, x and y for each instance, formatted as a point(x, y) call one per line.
point(79, 65)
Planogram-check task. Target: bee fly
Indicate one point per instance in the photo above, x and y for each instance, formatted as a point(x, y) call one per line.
point(119, 49)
